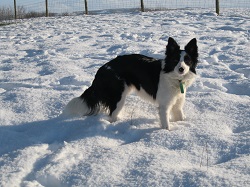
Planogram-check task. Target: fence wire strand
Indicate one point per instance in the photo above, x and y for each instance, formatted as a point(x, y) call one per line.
point(76, 7)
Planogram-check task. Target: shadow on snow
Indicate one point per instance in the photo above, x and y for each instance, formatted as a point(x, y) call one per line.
point(59, 130)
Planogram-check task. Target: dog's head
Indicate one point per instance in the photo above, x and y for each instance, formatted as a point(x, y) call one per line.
point(181, 61)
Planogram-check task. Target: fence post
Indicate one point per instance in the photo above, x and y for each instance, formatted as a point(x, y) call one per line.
point(15, 9)
point(142, 6)
point(47, 9)
point(86, 6)
point(217, 4)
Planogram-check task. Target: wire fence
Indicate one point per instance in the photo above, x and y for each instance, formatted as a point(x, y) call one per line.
point(77, 7)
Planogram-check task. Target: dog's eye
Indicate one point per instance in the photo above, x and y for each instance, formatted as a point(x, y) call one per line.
point(187, 60)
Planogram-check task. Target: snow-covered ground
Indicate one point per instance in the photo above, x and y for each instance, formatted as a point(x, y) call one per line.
point(45, 62)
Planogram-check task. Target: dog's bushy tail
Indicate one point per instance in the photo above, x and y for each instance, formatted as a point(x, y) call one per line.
point(86, 104)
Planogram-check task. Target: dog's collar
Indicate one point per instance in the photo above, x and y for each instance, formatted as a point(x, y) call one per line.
point(181, 86)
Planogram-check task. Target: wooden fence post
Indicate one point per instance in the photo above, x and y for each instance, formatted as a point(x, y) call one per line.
point(86, 6)
point(217, 5)
point(142, 6)
point(47, 8)
point(15, 9)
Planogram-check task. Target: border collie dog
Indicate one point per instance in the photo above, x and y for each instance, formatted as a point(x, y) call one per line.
point(164, 82)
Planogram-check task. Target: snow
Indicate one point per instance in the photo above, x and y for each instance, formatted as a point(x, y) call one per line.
point(45, 62)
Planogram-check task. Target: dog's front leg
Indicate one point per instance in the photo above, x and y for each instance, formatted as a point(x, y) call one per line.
point(164, 116)
point(177, 110)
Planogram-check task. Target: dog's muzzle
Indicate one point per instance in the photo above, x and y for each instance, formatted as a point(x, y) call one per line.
point(181, 69)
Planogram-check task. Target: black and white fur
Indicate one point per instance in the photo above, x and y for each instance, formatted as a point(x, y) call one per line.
point(153, 79)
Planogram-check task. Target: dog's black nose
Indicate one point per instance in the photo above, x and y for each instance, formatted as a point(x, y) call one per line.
point(181, 69)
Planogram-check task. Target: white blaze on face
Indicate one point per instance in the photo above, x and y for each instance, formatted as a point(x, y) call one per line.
point(182, 68)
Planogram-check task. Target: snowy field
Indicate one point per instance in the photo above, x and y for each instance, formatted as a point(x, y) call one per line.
point(45, 62)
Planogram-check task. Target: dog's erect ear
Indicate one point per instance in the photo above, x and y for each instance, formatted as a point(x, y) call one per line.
point(191, 48)
point(172, 46)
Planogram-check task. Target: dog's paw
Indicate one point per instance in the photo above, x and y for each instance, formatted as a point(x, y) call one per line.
point(111, 119)
point(178, 117)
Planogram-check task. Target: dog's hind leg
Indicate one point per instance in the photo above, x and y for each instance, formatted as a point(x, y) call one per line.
point(116, 107)
point(115, 110)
